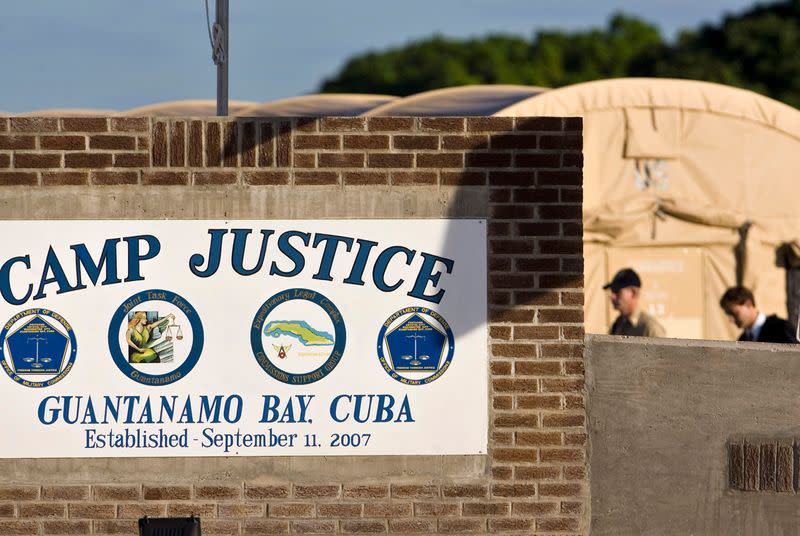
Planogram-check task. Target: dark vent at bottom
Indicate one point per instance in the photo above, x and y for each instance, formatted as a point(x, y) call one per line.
point(169, 526)
point(764, 465)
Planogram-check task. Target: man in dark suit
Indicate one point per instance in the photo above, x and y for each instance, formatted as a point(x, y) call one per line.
point(740, 306)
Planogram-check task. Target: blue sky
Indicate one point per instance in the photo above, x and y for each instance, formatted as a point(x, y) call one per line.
point(121, 54)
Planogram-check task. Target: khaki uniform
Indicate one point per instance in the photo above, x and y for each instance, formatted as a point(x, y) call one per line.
point(639, 324)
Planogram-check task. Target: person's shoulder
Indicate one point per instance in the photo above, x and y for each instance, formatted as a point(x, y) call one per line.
point(653, 327)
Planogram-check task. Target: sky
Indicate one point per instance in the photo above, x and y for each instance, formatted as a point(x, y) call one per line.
point(120, 54)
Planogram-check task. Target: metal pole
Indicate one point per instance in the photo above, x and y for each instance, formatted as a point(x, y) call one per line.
point(222, 67)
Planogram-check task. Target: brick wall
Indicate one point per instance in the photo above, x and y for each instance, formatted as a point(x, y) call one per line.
point(523, 175)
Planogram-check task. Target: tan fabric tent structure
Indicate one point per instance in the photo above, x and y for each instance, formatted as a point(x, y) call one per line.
point(457, 101)
point(319, 105)
point(68, 112)
point(187, 108)
point(674, 170)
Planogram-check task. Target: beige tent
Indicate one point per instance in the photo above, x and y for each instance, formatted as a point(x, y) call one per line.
point(323, 104)
point(677, 174)
point(187, 108)
point(457, 101)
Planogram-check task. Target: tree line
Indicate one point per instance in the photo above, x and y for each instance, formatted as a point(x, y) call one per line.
point(756, 49)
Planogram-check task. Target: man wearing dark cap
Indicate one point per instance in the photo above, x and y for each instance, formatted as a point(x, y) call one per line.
point(625, 291)
point(740, 306)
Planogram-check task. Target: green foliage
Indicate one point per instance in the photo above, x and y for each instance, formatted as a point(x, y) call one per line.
point(757, 50)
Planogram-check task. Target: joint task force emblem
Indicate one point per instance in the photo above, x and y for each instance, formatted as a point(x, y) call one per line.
point(415, 346)
point(305, 322)
point(37, 348)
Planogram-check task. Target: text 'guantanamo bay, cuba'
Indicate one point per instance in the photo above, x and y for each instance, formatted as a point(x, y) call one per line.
point(26, 276)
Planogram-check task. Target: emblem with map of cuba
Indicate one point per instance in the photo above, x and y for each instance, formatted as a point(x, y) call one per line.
point(300, 336)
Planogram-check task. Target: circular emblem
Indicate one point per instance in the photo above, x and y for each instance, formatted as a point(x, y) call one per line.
point(298, 336)
point(155, 337)
point(37, 348)
point(416, 346)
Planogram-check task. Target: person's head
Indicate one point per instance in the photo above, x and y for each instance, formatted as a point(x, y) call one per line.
point(139, 317)
point(740, 306)
point(625, 290)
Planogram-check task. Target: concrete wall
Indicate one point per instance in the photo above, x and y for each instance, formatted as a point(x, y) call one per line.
point(661, 414)
point(523, 175)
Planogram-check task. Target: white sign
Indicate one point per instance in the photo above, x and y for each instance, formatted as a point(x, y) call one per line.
point(254, 338)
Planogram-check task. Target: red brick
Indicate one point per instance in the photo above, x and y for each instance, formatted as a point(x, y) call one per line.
point(117, 492)
point(213, 146)
point(267, 492)
point(537, 160)
point(463, 178)
point(536, 195)
point(283, 144)
point(17, 142)
point(563, 350)
point(339, 510)
point(537, 472)
point(185, 509)
point(421, 142)
point(568, 507)
point(316, 178)
point(535, 332)
point(241, 510)
point(32, 160)
point(164, 493)
point(194, 144)
point(486, 509)
point(572, 160)
point(64, 143)
point(306, 124)
point(390, 160)
point(502, 402)
point(557, 524)
point(502, 473)
point(366, 142)
point(497, 195)
point(560, 315)
point(217, 492)
point(511, 178)
point(414, 491)
point(559, 178)
point(314, 526)
point(291, 510)
point(84, 124)
point(92, 510)
point(265, 178)
point(266, 146)
point(87, 160)
point(370, 491)
point(539, 402)
point(491, 160)
point(341, 124)
point(111, 142)
point(33, 124)
point(442, 124)
point(515, 420)
point(501, 368)
point(487, 124)
point(390, 124)
point(64, 178)
point(309, 141)
point(533, 508)
point(559, 490)
point(566, 141)
point(500, 332)
point(166, 178)
point(514, 141)
point(575, 439)
point(230, 145)
point(18, 528)
point(18, 178)
point(440, 160)
point(394, 509)
point(561, 455)
point(304, 160)
point(511, 212)
point(260, 527)
point(41, 510)
point(515, 246)
point(471, 142)
point(64, 526)
point(206, 178)
point(363, 526)
point(436, 509)
point(461, 525)
point(514, 455)
point(521, 316)
point(116, 526)
point(563, 420)
point(132, 160)
point(514, 490)
point(464, 490)
point(414, 178)
point(137, 510)
point(130, 124)
point(315, 491)
point(510, 524)
point(6, 510)
point(220, 527)
point(410, 526)
point(345, 160)
point(541, 124)
point(537, 368)
point(573, 472)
